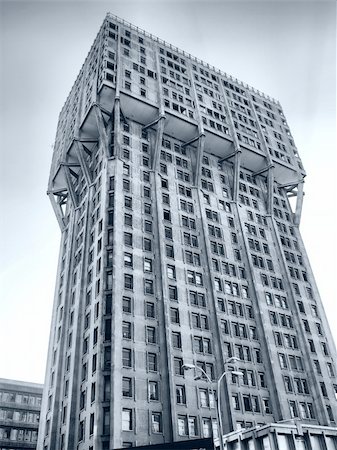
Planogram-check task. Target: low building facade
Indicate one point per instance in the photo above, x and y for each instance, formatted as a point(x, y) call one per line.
point(20, 404)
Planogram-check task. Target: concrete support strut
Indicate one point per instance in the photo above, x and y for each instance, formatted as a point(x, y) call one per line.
point(70, 185)
point(58, 210)
point(117, 127)
point(264, 170)
point(192, 140)
point(101, 129)
point(154, 122)
point(197, 173)
point(83, 163)
point(299, 203)
point(159, 136)
point(237, 165)
point(270, 190)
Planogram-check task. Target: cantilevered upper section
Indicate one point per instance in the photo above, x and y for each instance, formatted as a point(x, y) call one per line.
point(152, 79)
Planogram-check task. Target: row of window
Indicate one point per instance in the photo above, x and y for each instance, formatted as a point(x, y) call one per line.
point(18, 435)
point(19, 416)
point(251, 404)
point(152, 361)
point(24, 399)
point(239, 330)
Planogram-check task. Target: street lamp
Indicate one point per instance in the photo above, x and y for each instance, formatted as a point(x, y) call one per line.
point(237, 373)
point(192, 366)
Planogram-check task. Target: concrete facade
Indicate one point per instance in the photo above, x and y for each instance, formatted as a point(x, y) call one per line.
point(171, 184)
point(20, 404)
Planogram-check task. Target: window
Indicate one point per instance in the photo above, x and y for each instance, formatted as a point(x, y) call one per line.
point(266, 406)
point(171, 272)
point(127, 305)
point(178, 364)
point(147, 192)
point(176, 339)
point(150, 310)
point(147, 208)
point(174, 314)
point(128, 281)
point(127, 424)
point(147, 265)
point(169, 251)
point(153, 390)
point(127, 387)
point(192, 426)
point(151, 335)
point(167, 215)
point(330, 369)
point(147, 244)
point(283, 361)
point(293, 409)
point(127, 357)
point(202, 345)
point(148, 287)
point(156, 422)
point(180, 395)
point(173, 293)
point(128, 239)
point(126, 330)
point(182, 426)
point(152, 362)
point(91, 424)
point(127, 259)
point(168, 233)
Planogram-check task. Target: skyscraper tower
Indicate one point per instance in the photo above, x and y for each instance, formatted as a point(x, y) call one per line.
point(171, 183)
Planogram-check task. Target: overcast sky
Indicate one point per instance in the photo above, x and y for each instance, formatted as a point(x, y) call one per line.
point(283, 48)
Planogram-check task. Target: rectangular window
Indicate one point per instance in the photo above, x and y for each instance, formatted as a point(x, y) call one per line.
point(127, 357)
point(127, 387)
point(156, 422)
point(127, 424)
point(152, 362)
point(153, 390)
point(148, 287)
point(128, 281)
point(151, 335)
point(176, 339)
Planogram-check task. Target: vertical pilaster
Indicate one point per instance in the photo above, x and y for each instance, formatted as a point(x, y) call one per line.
point(274, 375)
point(227, 415)
point(201, 143)
point(304, 346)
point(236, 142)
point(270, 182)
point(170, 430)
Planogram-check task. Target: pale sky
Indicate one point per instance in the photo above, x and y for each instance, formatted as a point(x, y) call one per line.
point(286, 49)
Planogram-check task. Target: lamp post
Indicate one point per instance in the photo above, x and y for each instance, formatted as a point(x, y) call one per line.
point(233, 359)
point(192, 366)
point(237, 373)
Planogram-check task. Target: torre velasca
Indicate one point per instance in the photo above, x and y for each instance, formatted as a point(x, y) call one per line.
point(181, 258)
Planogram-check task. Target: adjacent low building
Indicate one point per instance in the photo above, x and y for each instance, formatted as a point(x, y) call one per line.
point(20, 404)
point(289, 435)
